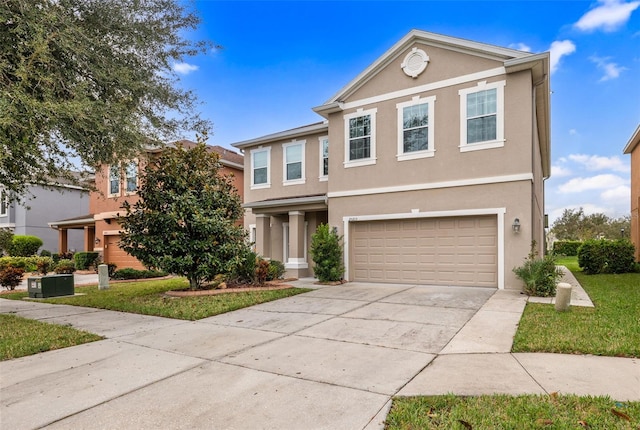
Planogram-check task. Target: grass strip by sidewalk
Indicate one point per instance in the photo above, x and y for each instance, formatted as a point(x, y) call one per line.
point(148, 298)
point(611, 328)
point(20, 337)
point(512, 412)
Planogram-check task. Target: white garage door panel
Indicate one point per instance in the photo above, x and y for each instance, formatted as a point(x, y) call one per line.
point(439, 251)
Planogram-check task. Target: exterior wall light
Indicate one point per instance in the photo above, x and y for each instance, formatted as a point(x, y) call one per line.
point(97, 241)
point(516, 225)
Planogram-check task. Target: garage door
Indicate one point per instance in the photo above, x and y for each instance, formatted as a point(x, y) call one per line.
point(437, 251)
point(113, 254)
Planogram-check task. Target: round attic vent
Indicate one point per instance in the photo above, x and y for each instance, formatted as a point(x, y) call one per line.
point(415, 62)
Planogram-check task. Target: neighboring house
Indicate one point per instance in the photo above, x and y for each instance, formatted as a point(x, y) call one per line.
point(633, 148)
point(431, 163)
point(42, 204)
point(116, 184)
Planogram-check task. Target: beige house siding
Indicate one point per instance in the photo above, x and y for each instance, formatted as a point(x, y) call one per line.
point(633, 148)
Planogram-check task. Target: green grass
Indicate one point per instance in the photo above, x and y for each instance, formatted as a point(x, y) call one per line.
point(612, 328)
point(510, 412)
point(20, 337)
point(148, 298)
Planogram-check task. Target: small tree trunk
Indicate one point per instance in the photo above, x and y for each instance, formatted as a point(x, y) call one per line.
point(193, 283)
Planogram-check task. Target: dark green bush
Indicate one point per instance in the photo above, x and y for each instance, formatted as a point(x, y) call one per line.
point(65, 267)
point(128, 273)
point(276, 270)
point(540, 275)
point(24, 246)
point(6, 238)
point(566, 247)
point(326, 252)
point(10, 277)
point(29, 264)
point(244, 271)
point(45, 253)
point(85, 259)
point(606, 256)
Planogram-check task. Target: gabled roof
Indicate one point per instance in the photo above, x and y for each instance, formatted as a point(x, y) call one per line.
point(633, 142)
point(316, 127)
point(227, 157)
point(438, 40)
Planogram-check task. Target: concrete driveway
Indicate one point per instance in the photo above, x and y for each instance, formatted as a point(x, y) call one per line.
point(328, 359)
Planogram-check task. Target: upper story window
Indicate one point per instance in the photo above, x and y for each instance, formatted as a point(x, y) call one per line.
point(4, 203)
point(415, 128)
point(131, 177)
point(260, 174)
point(482, 116)
point(360, 138)
point(293, 163)
point(114, 180)
point(324, 157)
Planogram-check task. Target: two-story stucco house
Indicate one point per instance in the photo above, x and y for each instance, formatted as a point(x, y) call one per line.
point(115, 184)
point(431, 163)
point(633, 148)
point(42, 204)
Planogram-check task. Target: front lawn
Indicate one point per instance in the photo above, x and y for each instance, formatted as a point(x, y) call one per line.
point(512, 412)
point(612, 328)
point(148, 298)
point(20, 337)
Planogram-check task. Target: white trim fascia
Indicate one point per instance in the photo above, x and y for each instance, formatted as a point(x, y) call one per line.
point(434, 185)
point(499, 212)
point(458, 80)
point(633, 141)
point(287, 134)
point(111, 232)
point(232, 164)
point(106, 215)
point(296, 263)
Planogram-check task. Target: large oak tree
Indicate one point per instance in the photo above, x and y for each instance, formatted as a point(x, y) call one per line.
point(89, 80)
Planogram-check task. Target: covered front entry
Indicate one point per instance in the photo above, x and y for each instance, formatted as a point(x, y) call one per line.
point(460, 251)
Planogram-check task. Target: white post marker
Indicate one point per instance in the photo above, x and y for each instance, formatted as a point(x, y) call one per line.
point(103, 277)
point(563, 296)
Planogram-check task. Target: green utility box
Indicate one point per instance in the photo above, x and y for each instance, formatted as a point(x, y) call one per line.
point(41, 287)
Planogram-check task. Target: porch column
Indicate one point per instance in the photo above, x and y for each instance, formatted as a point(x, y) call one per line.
point(89, 238)
point(62, 240)
point(296, 241)
point(277, 237)
point(263, 235)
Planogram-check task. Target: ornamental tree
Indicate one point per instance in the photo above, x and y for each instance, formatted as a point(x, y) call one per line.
point(89, 82)
point(186, 221)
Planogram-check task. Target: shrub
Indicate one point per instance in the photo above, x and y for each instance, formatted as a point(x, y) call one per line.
point(44, 265)
point(28, 264)
point(129, 273)
point(111, 268)
point(539, 275)
point(10, 277)
point(6, 237)
point(276, 270)
point(606, 256)
point(261, 270)
point(85, 259)
point(326, 252)
point(566, 247)
point(244, 271)
point(45, 253)
point(65, 267)
point(24, 246)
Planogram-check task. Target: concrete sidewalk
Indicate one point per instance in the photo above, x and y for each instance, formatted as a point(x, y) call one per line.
point(329, 359)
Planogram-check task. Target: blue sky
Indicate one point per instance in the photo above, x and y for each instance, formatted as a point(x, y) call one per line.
point(280, 59)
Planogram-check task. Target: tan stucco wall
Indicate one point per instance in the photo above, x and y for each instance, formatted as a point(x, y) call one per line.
point(515, 197)
point(443, 64)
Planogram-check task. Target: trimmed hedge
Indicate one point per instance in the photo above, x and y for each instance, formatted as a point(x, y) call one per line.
point(606, 256)
point(85, 259)
point(128, 273)
point(29, 264)
point(65, 267)
point(567, 247)
point(24, 246)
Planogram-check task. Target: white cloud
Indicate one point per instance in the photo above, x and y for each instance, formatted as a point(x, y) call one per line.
point(184, 68)
point(608, 16)
point(598, 182)
point(559, 49)
point(520, 47)
point(560, 171)
point(611, 70)
point(573, 132)
point(617, 194)
point(596, 162)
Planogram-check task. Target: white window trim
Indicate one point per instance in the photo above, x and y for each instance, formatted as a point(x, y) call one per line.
point(302, 180)
point(252, 236)
point(4, 202)
point(417, 100)
point(109, 193)
point(124, 170)
point(322, 177)
point(499, 140)
point(268, 183)
point(372, 141)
